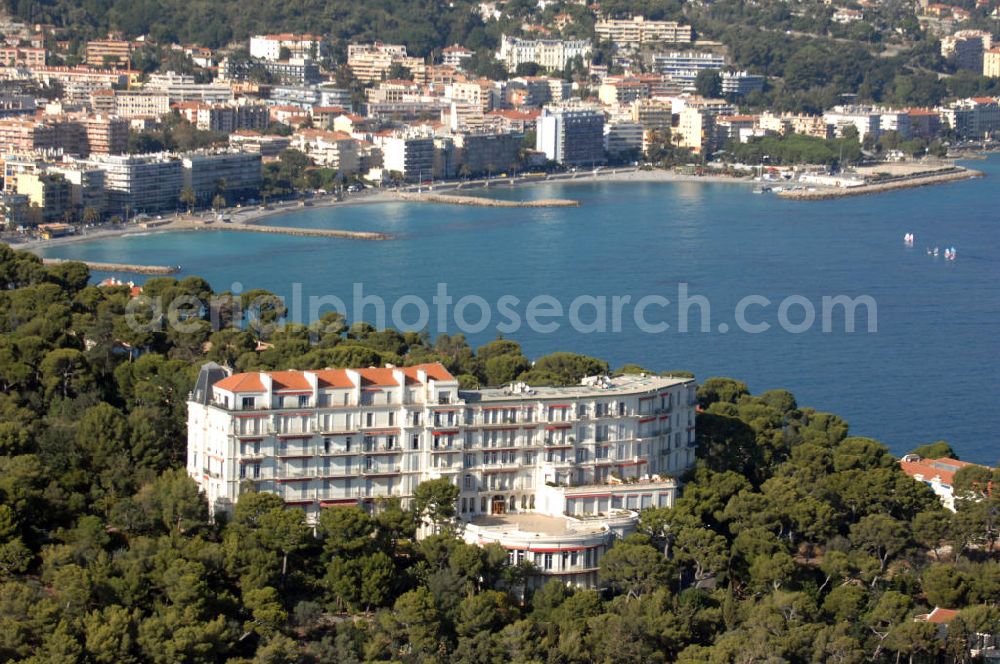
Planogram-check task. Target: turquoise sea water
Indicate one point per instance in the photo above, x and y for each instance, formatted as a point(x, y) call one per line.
point(929, 372)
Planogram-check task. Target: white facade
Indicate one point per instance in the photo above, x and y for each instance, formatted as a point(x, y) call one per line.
point(349, 436)
point(268, 47)
point(547, 53)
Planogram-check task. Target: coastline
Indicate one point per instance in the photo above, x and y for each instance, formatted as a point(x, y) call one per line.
point(241, 219)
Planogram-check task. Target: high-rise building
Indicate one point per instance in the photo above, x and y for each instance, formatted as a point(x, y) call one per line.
point(141, 183)
point(235, 175)
point(573, 136)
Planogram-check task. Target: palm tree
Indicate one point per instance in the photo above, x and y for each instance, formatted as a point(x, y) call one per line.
point(188, 199)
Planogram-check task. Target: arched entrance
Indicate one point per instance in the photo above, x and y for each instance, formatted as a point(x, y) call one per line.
point(498, 506)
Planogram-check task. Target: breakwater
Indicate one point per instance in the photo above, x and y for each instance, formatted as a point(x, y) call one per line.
point(476, 201)
point(301, 232)
point(119, 267)
point(878, 187)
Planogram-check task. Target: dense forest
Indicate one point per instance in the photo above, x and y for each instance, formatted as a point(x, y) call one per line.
point(793, 541)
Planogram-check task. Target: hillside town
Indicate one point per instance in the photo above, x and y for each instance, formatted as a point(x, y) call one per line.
point(101, 134)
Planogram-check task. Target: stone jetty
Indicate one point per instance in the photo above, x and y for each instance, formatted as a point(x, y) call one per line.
point(118, 267)
point(904, 182)
point(302, 232)
point(477, 201)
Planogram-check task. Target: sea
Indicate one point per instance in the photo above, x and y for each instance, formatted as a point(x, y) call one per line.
point(605, 278)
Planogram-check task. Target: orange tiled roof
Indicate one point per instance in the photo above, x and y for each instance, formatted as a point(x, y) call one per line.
point(338, 378)
point(244, 382)
point(928, 469)
point(940, 616)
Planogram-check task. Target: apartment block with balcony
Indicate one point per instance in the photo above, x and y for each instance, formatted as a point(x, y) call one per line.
point(141, 183)
point(637, 31)
point(548, 470)
point(236, 175)
point(572, 136)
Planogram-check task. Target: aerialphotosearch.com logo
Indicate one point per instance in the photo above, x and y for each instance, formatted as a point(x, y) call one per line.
point(654, 313)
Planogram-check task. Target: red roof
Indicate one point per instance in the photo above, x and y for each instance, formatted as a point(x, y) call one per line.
point(337, 378)
point(939, 616)
point(944, 469)
point(244, 382)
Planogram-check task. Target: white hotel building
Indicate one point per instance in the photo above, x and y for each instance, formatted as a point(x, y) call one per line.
point(553, 474)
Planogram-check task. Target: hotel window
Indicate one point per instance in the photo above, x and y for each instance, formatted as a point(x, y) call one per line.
point(415, 442)
point(547, 561)
point(249, 403)
point(529, 415)
point(621, 409)
point(390, 442)
point(369, 419)
point(470, 460)
point(326, 445)
point(243, 471)
point(256, 470)
point(303, 400)
point(392, 419)
point(347, 444)
point(469, 482)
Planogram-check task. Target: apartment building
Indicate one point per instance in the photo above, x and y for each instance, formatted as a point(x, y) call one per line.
point(48, 191)
point(652, 114)
point(332, 149)
point(481, 152)
point(740, 83)
point(182, 87)
point(696, 129)
point(412, 156)
point(557, 471)
point(266, 146)
point(42, 134)
point(372, 62)
point(105, 134)
point(455, 56)
point(537, 90)
point(790, 123)
point(19, 56)
point(866, 119)
point(141, 183)
point(622, 90)
point(482, 94)
point(966, 48)
point(623, 138)
point(572, 135)
point(109, 53)
point(551, 54)
point(991, 63)
point(236, 175)
point(270, 47)
point(683, 67)
point(974, 118)
point(86, 184)
point(130, 103)
point(637, 31)
point(225, 118)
